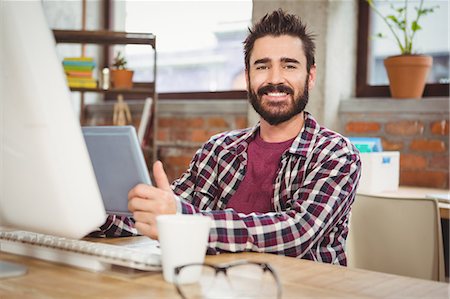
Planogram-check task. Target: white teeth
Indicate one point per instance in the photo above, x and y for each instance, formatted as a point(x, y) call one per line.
point(276, 94)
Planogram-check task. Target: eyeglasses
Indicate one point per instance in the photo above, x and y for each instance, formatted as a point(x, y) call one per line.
point(241, 279)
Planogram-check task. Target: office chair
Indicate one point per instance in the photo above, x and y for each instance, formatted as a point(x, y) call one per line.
point(396, 235)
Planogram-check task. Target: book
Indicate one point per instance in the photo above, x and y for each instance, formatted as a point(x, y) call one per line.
point(81, 63)
point(78, 68)
point(79, 58)
point(82, 82)
point(76, 79)
point(79, 74)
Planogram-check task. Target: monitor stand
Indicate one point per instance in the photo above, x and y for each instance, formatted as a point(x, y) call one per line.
point(8, 269)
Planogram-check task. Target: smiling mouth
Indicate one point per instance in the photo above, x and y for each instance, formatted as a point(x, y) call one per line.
point(276, 94)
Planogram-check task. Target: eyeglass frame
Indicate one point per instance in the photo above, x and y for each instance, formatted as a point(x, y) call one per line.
point(222, 268)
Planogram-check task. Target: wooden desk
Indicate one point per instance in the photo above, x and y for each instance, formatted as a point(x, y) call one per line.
point(418, 192)
point(300, 279)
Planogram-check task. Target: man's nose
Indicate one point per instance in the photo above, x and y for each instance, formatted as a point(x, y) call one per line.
point(276, 75)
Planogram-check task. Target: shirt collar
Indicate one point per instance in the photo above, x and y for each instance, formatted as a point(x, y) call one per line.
point(240, 144)
point(302, 145)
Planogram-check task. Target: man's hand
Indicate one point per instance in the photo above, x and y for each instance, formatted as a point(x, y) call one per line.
point(146, 202)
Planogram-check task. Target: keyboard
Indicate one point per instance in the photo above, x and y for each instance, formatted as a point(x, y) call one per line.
point(88, 255)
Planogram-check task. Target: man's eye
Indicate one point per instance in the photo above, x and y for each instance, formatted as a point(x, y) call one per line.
point(261, 67)
point(291, 66)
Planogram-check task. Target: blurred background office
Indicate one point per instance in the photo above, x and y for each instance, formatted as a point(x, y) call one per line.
point(201, 86)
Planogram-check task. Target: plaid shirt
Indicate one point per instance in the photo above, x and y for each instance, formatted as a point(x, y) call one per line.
point(313, 192)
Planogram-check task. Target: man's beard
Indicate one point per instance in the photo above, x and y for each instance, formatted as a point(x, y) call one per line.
point(276, 116)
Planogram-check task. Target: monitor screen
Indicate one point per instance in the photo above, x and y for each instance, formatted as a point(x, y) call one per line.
point(47, 183)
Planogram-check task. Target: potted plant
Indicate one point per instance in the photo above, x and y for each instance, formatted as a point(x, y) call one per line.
point(408, 71)
point(121, 77)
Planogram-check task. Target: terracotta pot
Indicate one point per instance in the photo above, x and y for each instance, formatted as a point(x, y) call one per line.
point(122, 78)
point(407, 75)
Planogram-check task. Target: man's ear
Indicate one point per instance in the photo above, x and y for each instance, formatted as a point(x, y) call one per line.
point(312, 77)
point(247, 79)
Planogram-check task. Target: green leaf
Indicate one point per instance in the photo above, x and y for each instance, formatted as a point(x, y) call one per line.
point(425, 11)
point(415, 26)
point(393, 19)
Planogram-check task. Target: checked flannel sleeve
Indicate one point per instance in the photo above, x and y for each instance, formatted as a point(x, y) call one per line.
point(116, 226)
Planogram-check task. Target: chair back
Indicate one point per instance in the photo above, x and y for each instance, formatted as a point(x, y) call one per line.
point(396, 235)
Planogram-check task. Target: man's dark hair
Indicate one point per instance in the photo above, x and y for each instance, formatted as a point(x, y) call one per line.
point(276, 24)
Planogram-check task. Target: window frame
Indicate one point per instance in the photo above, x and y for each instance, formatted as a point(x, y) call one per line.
point(108, 12)
point(204, 95)
point(363, 89)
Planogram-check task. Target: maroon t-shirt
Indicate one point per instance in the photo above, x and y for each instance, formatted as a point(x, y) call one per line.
point(255, 192)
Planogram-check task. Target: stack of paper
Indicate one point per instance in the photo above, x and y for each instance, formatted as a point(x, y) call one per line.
point(79, 71)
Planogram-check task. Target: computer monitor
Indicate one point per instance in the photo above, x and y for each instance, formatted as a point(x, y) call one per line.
point(47, 183)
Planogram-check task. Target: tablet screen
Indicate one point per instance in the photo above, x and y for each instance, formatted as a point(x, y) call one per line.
point(118, 163)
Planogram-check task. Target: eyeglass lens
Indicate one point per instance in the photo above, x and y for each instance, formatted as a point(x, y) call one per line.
point(241, 281)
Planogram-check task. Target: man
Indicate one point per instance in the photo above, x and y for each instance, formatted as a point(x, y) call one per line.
point(284, 186)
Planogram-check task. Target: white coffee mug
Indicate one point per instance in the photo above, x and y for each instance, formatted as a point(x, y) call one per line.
point(183, 240)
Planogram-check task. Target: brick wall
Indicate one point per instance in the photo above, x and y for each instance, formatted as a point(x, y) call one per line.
point(182, 129)
point(182, 126)
point(418, 129)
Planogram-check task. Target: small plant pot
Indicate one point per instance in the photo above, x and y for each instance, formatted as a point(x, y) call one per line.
point(407, 75)
point(122, 78)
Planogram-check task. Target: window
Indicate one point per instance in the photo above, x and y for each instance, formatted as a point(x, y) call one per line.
point(432, 40)
point(199, 44)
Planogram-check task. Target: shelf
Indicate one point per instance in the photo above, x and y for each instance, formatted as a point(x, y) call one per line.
point(134, 90)
point(104, 37)
point(139, 90)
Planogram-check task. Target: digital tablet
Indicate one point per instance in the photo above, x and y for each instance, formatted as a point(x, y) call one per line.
point(118, 164)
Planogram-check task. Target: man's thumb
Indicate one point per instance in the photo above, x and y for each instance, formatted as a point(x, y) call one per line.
point(160, 176)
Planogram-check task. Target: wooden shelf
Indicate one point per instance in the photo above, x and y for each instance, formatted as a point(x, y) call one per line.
point(134, 90)
point(139, 90)
point(103, 37)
